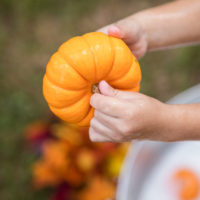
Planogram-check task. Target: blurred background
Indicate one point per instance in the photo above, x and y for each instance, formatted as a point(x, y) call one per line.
point(30, 31)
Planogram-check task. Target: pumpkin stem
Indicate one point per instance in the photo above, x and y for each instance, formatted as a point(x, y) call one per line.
point(95, 88)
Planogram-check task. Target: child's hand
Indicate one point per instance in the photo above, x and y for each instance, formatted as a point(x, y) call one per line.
point(131, 31)
point(123, 116)
point(160, 27)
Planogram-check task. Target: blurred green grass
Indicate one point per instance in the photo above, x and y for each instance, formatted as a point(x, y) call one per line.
point(30, 31)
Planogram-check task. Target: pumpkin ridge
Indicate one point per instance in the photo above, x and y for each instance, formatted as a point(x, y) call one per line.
point(114, 54)
point(72, 66)
point(86, 121)
point(57, 85)
point(86, 114)
point(134, 60)
point(68, 107)
point(94, 56)
point(84, 93)
point(63, 107)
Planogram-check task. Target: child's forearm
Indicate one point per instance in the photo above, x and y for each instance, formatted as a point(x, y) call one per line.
point(182, 122)
point(171, 24)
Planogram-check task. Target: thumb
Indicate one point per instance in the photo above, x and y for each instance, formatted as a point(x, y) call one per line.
point(114, 31)
point(111, 30)
point(107, 90)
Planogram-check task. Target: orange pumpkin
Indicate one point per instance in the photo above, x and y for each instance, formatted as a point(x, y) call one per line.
point(79, 64)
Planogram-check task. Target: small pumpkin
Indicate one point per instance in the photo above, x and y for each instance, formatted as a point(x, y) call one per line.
point(73, 72)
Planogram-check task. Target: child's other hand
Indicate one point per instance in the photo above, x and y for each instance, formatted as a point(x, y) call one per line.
point(123, 116)
point(130, 30)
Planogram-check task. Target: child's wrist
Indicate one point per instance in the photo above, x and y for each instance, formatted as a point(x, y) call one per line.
point(174, 123)
point(147, 19)
point(142, 19)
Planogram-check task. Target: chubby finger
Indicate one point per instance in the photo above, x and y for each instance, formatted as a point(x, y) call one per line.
point(139, 49)
point(111, 30)
point(102, 129)
point(108, 105)
point(114, 31)
point(104, 29)
point(107, 90)
point(107, 120)
point(97, 137)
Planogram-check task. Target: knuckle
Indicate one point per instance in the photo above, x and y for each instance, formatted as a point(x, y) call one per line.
point(120, 137)
point(115, 92)
point(137, 127)
point(128, 113)
point(94, 136)
point(126, 128)
point(120, 127)
point(93, 100)
point(92, 121)
point(113, 137)
point(107, 108)
point(113, 105)
point(96, 114)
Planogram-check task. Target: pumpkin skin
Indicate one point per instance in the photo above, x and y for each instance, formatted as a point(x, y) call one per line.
point(80, 63)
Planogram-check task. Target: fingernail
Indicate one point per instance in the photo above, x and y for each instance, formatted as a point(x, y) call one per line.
point(103, 30)
point(114, 31)
point(105, 88)
point(103, 85)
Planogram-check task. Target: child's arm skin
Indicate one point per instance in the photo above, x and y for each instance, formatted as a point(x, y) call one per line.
point(172, 24)
point(123, 116)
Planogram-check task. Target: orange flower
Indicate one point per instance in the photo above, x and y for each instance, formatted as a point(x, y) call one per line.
point(71, 157)
point(98, 189)
point(85, 160)
point(44, 176)
point(55, 154)
point(69, 133)
point(73, 176)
